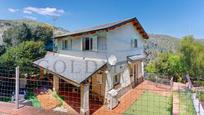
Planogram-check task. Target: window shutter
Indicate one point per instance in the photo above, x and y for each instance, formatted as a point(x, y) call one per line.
point(132, 43)
point(82, 44)
point(95, 43)
point(59, 44)
point(63, 46)
point(69, 44)
point(135, 43)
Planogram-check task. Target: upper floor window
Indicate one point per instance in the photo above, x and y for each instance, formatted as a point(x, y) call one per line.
point(134, 43)
point(66, 44)
point(87, 43)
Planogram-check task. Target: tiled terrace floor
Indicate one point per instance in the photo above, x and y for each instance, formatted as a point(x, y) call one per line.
point(125, 102)
point(10, 109)
point(132, 95)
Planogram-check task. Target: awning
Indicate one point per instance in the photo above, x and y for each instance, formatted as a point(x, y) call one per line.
point(136, 57)
point(74, 69)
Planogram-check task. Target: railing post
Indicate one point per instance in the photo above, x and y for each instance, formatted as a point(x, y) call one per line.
point(17, 88)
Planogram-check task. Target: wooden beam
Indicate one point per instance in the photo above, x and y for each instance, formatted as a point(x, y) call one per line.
point(41, 73)
point(56, 83)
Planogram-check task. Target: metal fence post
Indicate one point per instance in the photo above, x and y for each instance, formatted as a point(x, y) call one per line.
point(17, 88)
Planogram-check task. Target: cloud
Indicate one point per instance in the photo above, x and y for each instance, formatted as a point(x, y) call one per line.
point(13, 10)
point(48, 11)
point(31, 17)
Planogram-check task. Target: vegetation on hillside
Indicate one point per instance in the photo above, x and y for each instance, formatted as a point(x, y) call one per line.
point(188, 59)
point(23, 54)
point(160, 43)
point(24, 32)
point(25, 41)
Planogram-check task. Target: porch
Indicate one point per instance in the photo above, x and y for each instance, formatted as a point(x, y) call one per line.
point(72, 97)
point(78, 87)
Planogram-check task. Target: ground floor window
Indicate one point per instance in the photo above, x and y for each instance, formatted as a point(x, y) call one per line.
point(116, 79)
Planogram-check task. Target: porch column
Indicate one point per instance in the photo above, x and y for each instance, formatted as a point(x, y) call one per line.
point(142, 65)
point(55, 83)
point(84, 100)
point(41, 73)
point(109, 82)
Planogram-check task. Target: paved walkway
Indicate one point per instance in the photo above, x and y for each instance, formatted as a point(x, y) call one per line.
point(175, 104)
point(177, 87)
point(9, 108)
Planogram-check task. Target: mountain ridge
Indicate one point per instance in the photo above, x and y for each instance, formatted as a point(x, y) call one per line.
point(6, 24)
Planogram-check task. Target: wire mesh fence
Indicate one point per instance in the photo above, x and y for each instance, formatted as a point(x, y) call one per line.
point(153, 95)
point(7, 83)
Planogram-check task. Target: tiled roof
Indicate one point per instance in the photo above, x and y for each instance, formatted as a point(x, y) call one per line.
point(74, 69)
point(104, 27)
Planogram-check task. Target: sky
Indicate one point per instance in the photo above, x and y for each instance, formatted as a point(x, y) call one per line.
point(172, 17)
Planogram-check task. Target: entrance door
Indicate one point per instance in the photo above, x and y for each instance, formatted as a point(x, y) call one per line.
point(135, 73)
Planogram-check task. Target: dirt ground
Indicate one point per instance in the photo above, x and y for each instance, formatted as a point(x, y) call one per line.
point(47, 100)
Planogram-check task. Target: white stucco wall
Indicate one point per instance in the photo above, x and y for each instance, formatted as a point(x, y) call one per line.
point(125, 77)
point(119, 42)
point(101, 46)
point(114, 42)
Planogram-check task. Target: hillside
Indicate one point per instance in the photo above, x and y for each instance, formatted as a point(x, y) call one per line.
point(160, 43)
point(6, 24)
point(156, 43)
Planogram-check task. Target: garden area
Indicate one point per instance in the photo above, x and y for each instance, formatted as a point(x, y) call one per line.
point(151, 103)
point(47, 100)
point(186, 106)
point(201, 97)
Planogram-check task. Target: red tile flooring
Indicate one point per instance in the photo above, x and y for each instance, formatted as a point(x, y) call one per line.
point(96, 108)
point(73, 100)
point(10, 108)
point(131, 96)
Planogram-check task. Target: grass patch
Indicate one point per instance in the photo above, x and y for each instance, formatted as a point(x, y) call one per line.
point(31, 96)
point(186, 103)
point(201, 96)
point(150, 103)
point(5, 99)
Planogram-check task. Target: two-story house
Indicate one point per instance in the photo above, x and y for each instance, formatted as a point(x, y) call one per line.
point(84, 58)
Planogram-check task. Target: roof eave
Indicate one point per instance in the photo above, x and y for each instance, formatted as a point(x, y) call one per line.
point(134, 20)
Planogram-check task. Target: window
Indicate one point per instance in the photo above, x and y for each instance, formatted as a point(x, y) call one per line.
point(64, 44)
point(87, 44)
point(116, 79)
point(67, 44)
point(134, 43)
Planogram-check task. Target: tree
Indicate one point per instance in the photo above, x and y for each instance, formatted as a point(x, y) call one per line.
point(25, 32)
point(16, 35)
point(167, 63)
point(193, 56)
point(23, 54)
point(43, 33)
point(151, 68)
point(175, 67)
point(2, 49)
